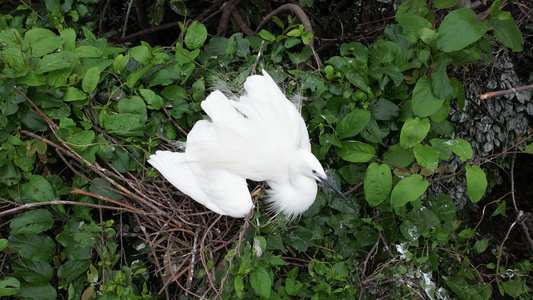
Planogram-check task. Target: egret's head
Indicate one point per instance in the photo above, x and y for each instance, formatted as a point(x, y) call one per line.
point(309, 166)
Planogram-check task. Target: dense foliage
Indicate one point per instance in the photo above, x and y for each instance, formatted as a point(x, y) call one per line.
point(80, 116)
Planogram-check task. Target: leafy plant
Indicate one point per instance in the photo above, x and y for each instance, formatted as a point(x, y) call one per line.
point(80, 116)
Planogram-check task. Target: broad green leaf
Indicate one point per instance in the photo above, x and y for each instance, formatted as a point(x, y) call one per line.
point(239, 286)
point(481, 245)
point(424, 101)
point(154, 101)
point(120, 63)
point(69, 39)
point(384, 109)
point(414, 131)
point(39, 189)
point(443, 4)
point(377, 184)
point(354, 151)
point(132, 79)
point(3, 244)
point(41, 41)
point(33, 271)
point(461, 148)
point(196, 35)
point(444, 207)
point(500, 210)
point(56, 61)
point(372, 132)
point(351, 124)
point(408, 189)
point(466, 290)
point(42, 291)
point(141, 54)
point(507, 33)
point(88, 51)
point(125, 124)
point(398, 156)
point(515, 287)
point(440, 82)
point(9, 286)
point(366, 237)
point(71, 270)
point(476, 182)
point(165, 77)
point(33, 221)
point(184, 56)
point(293, 287)
point(267, 36)
point(426, 156)
point(81, 140)
point(413, 23)
point(73, 94)
point(90, 80)
point(35, 247)
point(459, 29)
point(261, 282)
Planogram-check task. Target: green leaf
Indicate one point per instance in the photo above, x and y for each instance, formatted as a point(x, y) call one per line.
point(481, 245)
point(39, 189)
point(398, 156)
point(459, 29)
point(424, 101)
point(377, 184)
point(261, 282)
point(440, 82)
point(507, 33)
point(354, 151)
point(69, 37)
point(351, 124)
point(88, 51)
point(154, 101)
point(384, 110)
point(408, 189)
point(239, 286)
point(476, 182)
point(426, 156)
point(90, 80)
point(9, 286)
point(43, 291)
point(71, 270)
point(33, 271)
point(196, 35)
point(500, 210)
point(515, 287)
point(132, 79)
point(56, 61)
point(32, 246)
point(33, 221)
point(443, 4)
point(141, 54)
point(41, 41)
point(3, 244)
point(414, 131)
point(73, 94)
point(267, 36)
point(293, 287)
point(461, 148)
point(120, 63)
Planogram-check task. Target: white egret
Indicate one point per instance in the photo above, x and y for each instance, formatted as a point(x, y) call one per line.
point(262, 137)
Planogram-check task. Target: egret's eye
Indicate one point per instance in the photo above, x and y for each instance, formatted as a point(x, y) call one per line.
point(314, 171)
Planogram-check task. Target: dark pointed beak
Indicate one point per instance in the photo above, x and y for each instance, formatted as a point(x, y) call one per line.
point(332, 186)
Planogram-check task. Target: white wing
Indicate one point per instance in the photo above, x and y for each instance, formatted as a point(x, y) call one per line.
point(219, 190)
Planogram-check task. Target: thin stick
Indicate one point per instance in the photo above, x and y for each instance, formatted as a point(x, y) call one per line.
point(506, 92)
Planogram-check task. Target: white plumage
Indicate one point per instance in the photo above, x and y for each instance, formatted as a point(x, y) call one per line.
point(261, 137)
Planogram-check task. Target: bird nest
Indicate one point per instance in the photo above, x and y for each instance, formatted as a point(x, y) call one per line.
point(182, 237)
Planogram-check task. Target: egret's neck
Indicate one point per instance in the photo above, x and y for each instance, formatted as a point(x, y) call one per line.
point(295, 193)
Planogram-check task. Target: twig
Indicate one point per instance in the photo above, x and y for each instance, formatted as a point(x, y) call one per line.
point(45, 203)
point(506, 92)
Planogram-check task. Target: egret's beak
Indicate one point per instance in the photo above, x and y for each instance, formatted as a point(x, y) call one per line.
point(332, 186)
